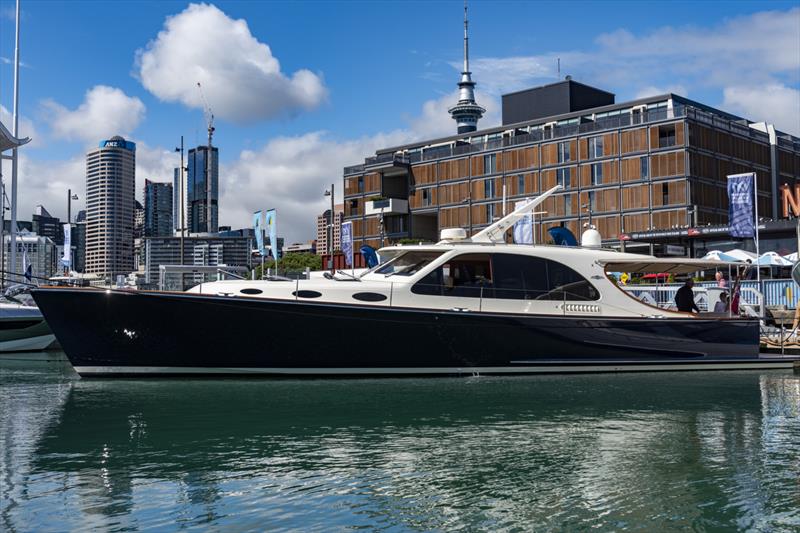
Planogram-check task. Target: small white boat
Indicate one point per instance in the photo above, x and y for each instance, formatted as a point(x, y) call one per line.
point(23, 328)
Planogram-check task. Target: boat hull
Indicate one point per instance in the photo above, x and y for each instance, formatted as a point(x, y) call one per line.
point(155, 333)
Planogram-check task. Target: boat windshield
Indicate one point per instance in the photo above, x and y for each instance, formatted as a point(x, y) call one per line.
point(407, 264)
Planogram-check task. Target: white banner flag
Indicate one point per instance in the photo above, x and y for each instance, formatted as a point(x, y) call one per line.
point(523, 228)
point(67, 259)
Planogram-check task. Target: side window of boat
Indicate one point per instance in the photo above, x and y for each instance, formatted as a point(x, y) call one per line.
point(466, 276)
point(519, 277)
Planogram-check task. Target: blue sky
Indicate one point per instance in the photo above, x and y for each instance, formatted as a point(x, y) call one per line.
point(352, 77)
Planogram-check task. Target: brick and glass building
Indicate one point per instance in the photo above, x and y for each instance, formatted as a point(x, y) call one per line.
point(656, 163)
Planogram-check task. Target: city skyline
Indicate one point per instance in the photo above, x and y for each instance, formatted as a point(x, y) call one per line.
point(319, 108)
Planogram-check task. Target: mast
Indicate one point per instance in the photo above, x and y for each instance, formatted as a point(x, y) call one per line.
point(12, 267)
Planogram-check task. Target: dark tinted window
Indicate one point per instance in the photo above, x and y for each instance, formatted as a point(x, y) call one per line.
point(518, 277)
point(468, 275)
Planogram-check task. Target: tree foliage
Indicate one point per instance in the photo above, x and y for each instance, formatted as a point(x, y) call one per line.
point(293, 263)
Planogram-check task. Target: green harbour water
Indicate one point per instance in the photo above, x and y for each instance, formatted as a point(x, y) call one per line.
point(701, 451)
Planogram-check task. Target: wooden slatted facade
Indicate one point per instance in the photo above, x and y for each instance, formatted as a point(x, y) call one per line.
point(637, 177)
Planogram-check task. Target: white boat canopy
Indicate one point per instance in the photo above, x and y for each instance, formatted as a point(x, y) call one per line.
point(665, 265)
point(742, 255)
point(772, 259)
point(717, 255)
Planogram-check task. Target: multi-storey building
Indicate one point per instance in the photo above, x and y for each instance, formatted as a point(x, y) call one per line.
point(198, 251)
point(46, 225)
point(157, 209)
point(110, 187)
point(654, 163)
point(196, 192)
point(38, 251)
point(323, 221)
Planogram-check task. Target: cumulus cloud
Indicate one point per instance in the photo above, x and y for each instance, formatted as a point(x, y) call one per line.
point(46, 183)
point(104, 112)
point(26, 127)
point(712, 57)
point(241, 78)
point(774, 103)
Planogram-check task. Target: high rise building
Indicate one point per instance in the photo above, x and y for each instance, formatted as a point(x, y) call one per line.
point(46, 225)
point(110, 188)
point(157, 209)
point(196, 193)
point(323, 221)
point(466, 112)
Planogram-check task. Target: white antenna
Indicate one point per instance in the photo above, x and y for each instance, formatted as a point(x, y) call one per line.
point(497, 231)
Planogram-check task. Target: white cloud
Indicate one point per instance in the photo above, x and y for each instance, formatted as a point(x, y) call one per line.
point(775, 103)
point(652, 90)
point(241, 78)
point(759, 48)
point(434, 120)
point(46, 183)
point(104, 112)
point(26, 127)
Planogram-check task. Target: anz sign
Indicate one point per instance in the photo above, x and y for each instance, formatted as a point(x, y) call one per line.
point(118, 143)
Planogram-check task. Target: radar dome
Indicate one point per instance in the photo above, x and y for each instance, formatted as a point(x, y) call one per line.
point(591, 238)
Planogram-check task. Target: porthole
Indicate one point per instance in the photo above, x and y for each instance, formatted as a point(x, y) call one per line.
point(251, 291)
point(369, 296)
point(307, 294)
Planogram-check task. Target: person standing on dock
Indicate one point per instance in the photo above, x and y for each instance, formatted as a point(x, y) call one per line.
point(684, 298)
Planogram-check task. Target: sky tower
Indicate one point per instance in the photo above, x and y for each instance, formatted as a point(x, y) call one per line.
point(466, 112)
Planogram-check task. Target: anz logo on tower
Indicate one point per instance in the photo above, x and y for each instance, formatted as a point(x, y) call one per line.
point(118, 142)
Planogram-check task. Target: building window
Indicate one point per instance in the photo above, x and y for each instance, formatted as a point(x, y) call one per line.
point(490, 164)
point(427, 197)
point(592, 201)
point(595, 147)
point(361, 184)
point(354, 204)
point(567, 205)
point(563, 152)
point(489, 213)
point(645, 170)
point(488, 188)
point(666, 136)
point(520, 184)
point(665, 193)
point(563, 177)
point(597, 174)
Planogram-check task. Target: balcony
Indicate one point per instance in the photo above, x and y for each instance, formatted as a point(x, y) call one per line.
point(388, 206)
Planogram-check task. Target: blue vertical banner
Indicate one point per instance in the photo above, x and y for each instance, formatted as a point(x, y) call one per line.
point(258, 228)
point(347, 242)
point(523, 228)
point(272, 228)
point(741, 217)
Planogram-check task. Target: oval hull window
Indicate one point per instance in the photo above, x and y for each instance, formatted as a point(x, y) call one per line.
point(251, 291)
point(307, 294)
point(369, 296)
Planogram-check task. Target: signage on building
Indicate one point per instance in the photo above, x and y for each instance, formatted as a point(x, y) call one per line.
point(791, 201)
point(670, 249)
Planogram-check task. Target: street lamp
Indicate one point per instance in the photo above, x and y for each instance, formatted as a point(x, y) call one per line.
point(181, 200)
point(330, 228)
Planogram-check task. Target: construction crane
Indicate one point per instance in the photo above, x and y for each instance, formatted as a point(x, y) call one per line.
point(209, 116)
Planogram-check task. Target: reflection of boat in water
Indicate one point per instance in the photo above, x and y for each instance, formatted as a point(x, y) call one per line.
point(461, 306)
